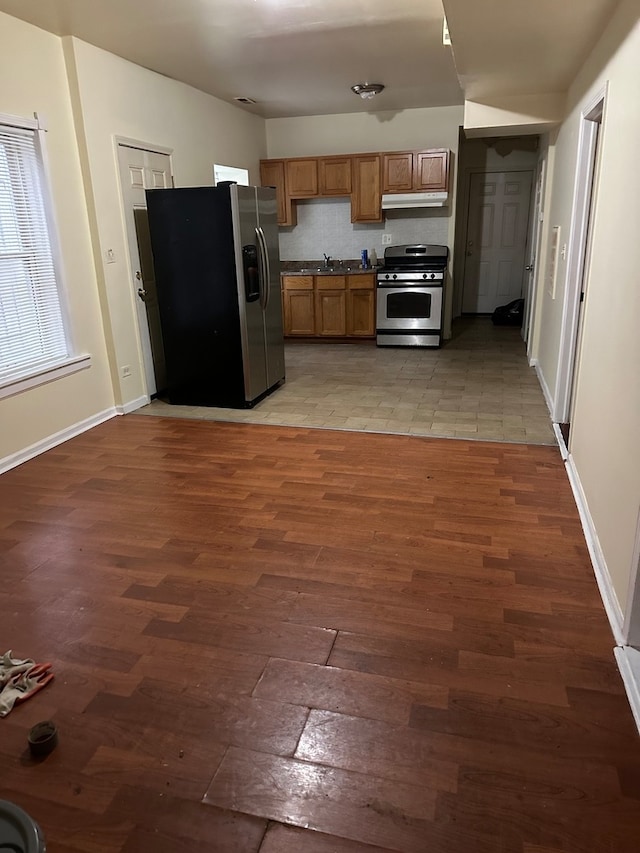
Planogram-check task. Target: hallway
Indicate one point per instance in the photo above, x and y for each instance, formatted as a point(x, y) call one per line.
point(477, 386)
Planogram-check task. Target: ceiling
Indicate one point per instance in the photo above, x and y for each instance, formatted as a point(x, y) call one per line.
point(300, 57)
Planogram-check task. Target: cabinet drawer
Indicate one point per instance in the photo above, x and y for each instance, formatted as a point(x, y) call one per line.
point(362, 282)
point(297, 282)
point(331, 282)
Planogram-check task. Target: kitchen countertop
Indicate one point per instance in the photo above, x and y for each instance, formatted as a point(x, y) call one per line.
point(332, 271)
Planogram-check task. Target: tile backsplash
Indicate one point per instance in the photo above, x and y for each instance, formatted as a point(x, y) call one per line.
point(325, 227)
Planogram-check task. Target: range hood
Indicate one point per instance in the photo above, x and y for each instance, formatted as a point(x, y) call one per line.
point(405, 201)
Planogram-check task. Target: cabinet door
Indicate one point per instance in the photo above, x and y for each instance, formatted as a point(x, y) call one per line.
point(302, 178)
point(431, 170)
point(361, 301)
point(298, 305)
point(366, 198)
point(331, 313)
point(272, 174)
point(361, 313)
point(397, 172)
point(299, 313)
point(334, 176)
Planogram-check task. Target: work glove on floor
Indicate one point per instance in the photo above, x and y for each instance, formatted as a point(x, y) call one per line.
point(12, 666)
point(23, 685)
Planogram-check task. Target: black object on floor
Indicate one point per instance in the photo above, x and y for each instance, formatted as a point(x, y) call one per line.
point(510, 314)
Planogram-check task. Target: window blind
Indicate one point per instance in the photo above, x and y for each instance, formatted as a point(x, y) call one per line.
point(32, 333)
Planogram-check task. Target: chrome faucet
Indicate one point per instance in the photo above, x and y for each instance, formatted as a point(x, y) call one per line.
point(327, 261)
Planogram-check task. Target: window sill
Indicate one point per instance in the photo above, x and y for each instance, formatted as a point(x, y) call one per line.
point(24, 381)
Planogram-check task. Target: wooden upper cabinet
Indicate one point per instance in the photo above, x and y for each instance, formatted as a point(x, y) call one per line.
point(302, 177)
point(364, 177)
point(366, 198)
point(334, 176)
point(272, 174)
point(397, 172)
point(431, 170)
point(415, 171)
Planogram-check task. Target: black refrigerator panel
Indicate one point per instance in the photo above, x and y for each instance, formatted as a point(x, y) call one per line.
point(195, 265)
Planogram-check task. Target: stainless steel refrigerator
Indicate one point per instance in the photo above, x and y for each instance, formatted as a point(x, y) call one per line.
point(217, 268)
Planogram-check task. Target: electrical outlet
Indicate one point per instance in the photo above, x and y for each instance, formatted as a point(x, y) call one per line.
point(125, 370)
point(386, 239)
point(110, 255)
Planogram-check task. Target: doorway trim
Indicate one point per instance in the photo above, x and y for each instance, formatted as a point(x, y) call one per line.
point(535, 250)
point(153, 148)
point(592, 117)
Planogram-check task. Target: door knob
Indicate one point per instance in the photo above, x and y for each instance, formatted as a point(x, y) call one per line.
point(138, 275)
point(529, 267)
point(142, 293)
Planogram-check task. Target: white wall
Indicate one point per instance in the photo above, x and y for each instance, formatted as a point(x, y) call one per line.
point(113, 97)
point(605, 426)
point(40, 85)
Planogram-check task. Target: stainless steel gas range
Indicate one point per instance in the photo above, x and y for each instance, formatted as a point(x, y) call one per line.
point(410, 291)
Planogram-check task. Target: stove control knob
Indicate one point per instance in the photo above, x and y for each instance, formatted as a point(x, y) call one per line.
point(433, 275)
point(394, 276)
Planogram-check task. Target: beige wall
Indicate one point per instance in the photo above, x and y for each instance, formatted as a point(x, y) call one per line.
point(360, 132)
point(511, 114)
point(113, 97)
point(40, 86)
point(606, 419)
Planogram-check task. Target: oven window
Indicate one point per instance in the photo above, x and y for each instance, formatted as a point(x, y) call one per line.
point(413, 306)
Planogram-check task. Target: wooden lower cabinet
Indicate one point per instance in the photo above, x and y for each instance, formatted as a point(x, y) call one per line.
point(298, 305)
point(331, 313)
point(361, 313)
point(329, 306)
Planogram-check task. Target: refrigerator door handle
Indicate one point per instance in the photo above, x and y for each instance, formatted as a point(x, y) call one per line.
point(263, 278)
point(265, 265)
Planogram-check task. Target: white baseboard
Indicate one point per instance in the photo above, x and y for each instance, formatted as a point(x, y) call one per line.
point(543, 384)
point(54, 440)
point(132, 405)
point(564, 452)
point(605, 585)
point(628, 660)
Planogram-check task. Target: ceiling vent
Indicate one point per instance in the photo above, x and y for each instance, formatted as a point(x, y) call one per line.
point(242, 100)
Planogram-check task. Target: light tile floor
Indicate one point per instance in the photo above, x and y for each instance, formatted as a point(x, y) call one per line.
point(478, 385)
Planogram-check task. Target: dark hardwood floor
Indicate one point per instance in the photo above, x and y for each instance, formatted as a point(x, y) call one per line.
point(302, 641)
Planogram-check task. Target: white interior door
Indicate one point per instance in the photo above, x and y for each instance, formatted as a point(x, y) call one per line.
point(141, 170)
point(497, 229)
